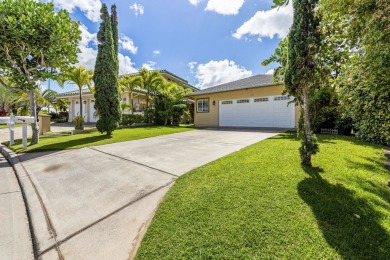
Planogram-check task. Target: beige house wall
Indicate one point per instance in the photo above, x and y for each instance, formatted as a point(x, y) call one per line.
point(210, 119)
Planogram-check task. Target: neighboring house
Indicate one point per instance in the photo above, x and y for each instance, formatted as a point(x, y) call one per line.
point(139, 98)
point(250, 102)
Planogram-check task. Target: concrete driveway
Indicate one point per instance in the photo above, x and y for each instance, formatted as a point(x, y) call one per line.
point(95, 203)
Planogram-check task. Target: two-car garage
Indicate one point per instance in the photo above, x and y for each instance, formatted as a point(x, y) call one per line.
point(270, 111)
point(256, 101)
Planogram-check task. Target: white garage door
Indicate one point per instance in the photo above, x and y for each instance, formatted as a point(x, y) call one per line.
point(269, 111)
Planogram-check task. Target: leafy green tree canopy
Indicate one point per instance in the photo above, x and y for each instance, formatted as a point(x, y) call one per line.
point(35, 44)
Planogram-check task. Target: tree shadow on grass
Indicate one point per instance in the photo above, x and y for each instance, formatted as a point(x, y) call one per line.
point(71, 143)
point(349, 224)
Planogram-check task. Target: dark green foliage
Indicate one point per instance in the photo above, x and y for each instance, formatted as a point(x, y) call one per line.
point(169, 104)
point(364, 81)
point(105, 77)
point(312, 146)
point(177, 113)
point(114, 26)
point(129, 119)
point(303, 42)
point(300, 74)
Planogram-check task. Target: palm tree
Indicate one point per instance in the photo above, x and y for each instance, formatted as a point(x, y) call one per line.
point(81, 77)
point(130, 83)
point(150, 80)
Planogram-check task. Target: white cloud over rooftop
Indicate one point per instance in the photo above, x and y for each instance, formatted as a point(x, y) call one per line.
point(269, 23)
point(218, 72)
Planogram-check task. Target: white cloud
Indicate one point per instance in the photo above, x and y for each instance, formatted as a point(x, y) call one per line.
point(91, 8)
point(125, 64)
point(225, 7)
point(137, 9)
point(270, 72)
point(127, 44)
point(87, 56)
point(218, 72)
point(192, 65)
point(86, 36)
point(156, 52)
point(195, 2)
point(270, 23)
point(149, 65)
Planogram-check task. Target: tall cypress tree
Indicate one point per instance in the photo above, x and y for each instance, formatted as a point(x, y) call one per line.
point(107, 102)
point(114, 25)
point(301, 75)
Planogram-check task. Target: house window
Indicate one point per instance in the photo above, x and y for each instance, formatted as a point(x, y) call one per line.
point(242, 101)
point(227, 102)
point(261, 99)
point(202, 105)
point(282, 98)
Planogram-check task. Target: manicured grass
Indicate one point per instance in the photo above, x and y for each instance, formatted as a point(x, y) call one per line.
point(6, 126)
point(64, 142)
point(259, 203)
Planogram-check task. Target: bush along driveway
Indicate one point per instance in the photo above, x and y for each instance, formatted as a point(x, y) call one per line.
point(260, 203)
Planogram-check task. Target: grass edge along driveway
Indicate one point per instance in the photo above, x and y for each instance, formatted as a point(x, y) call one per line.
point(260, 203)
point(49, 143)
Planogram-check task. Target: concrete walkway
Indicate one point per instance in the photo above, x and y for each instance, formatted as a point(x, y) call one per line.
point(15, 238)
point(96, 203)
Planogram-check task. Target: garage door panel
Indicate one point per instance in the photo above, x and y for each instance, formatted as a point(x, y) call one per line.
point(257, 112)
point(261, 116)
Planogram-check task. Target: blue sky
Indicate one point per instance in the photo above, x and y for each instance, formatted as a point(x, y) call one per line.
point(207, 42)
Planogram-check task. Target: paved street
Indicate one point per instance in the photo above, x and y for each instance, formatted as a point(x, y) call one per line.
point(15, 238)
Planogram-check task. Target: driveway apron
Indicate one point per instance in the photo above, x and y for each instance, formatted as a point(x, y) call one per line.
point(96, 203)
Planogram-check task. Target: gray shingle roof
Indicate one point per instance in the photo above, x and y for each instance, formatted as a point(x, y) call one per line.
point(86, 91)
point(251, 82)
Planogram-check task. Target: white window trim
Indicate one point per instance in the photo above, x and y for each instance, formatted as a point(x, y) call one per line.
point(202, 110)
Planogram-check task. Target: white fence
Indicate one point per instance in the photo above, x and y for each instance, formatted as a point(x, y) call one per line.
point(329, 131)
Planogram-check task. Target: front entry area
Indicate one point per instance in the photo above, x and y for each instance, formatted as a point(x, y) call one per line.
point(268, 111)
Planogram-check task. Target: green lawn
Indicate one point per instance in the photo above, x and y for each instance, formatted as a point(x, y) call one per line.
point(16, 125)
point(62, 142)
point(259, 203)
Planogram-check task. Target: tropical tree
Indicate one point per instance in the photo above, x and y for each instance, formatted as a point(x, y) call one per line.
point(301, 75)
point(149, 81)
point(363, 80)
point(130, 83)
point(6, 97)
point(81, 77)
point(106, 94)
point(169, 103)
point(36, 43)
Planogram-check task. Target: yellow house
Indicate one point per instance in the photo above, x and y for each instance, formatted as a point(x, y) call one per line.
point(255, 101)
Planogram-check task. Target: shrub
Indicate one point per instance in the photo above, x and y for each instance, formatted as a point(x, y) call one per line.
point(78, 122)
point(3, 112)
point(22, 111)
point(129, 119)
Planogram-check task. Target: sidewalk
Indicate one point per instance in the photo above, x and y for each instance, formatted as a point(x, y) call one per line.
point(15, 239)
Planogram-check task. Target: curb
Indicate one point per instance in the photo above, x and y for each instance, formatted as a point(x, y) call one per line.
point(13, 160)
